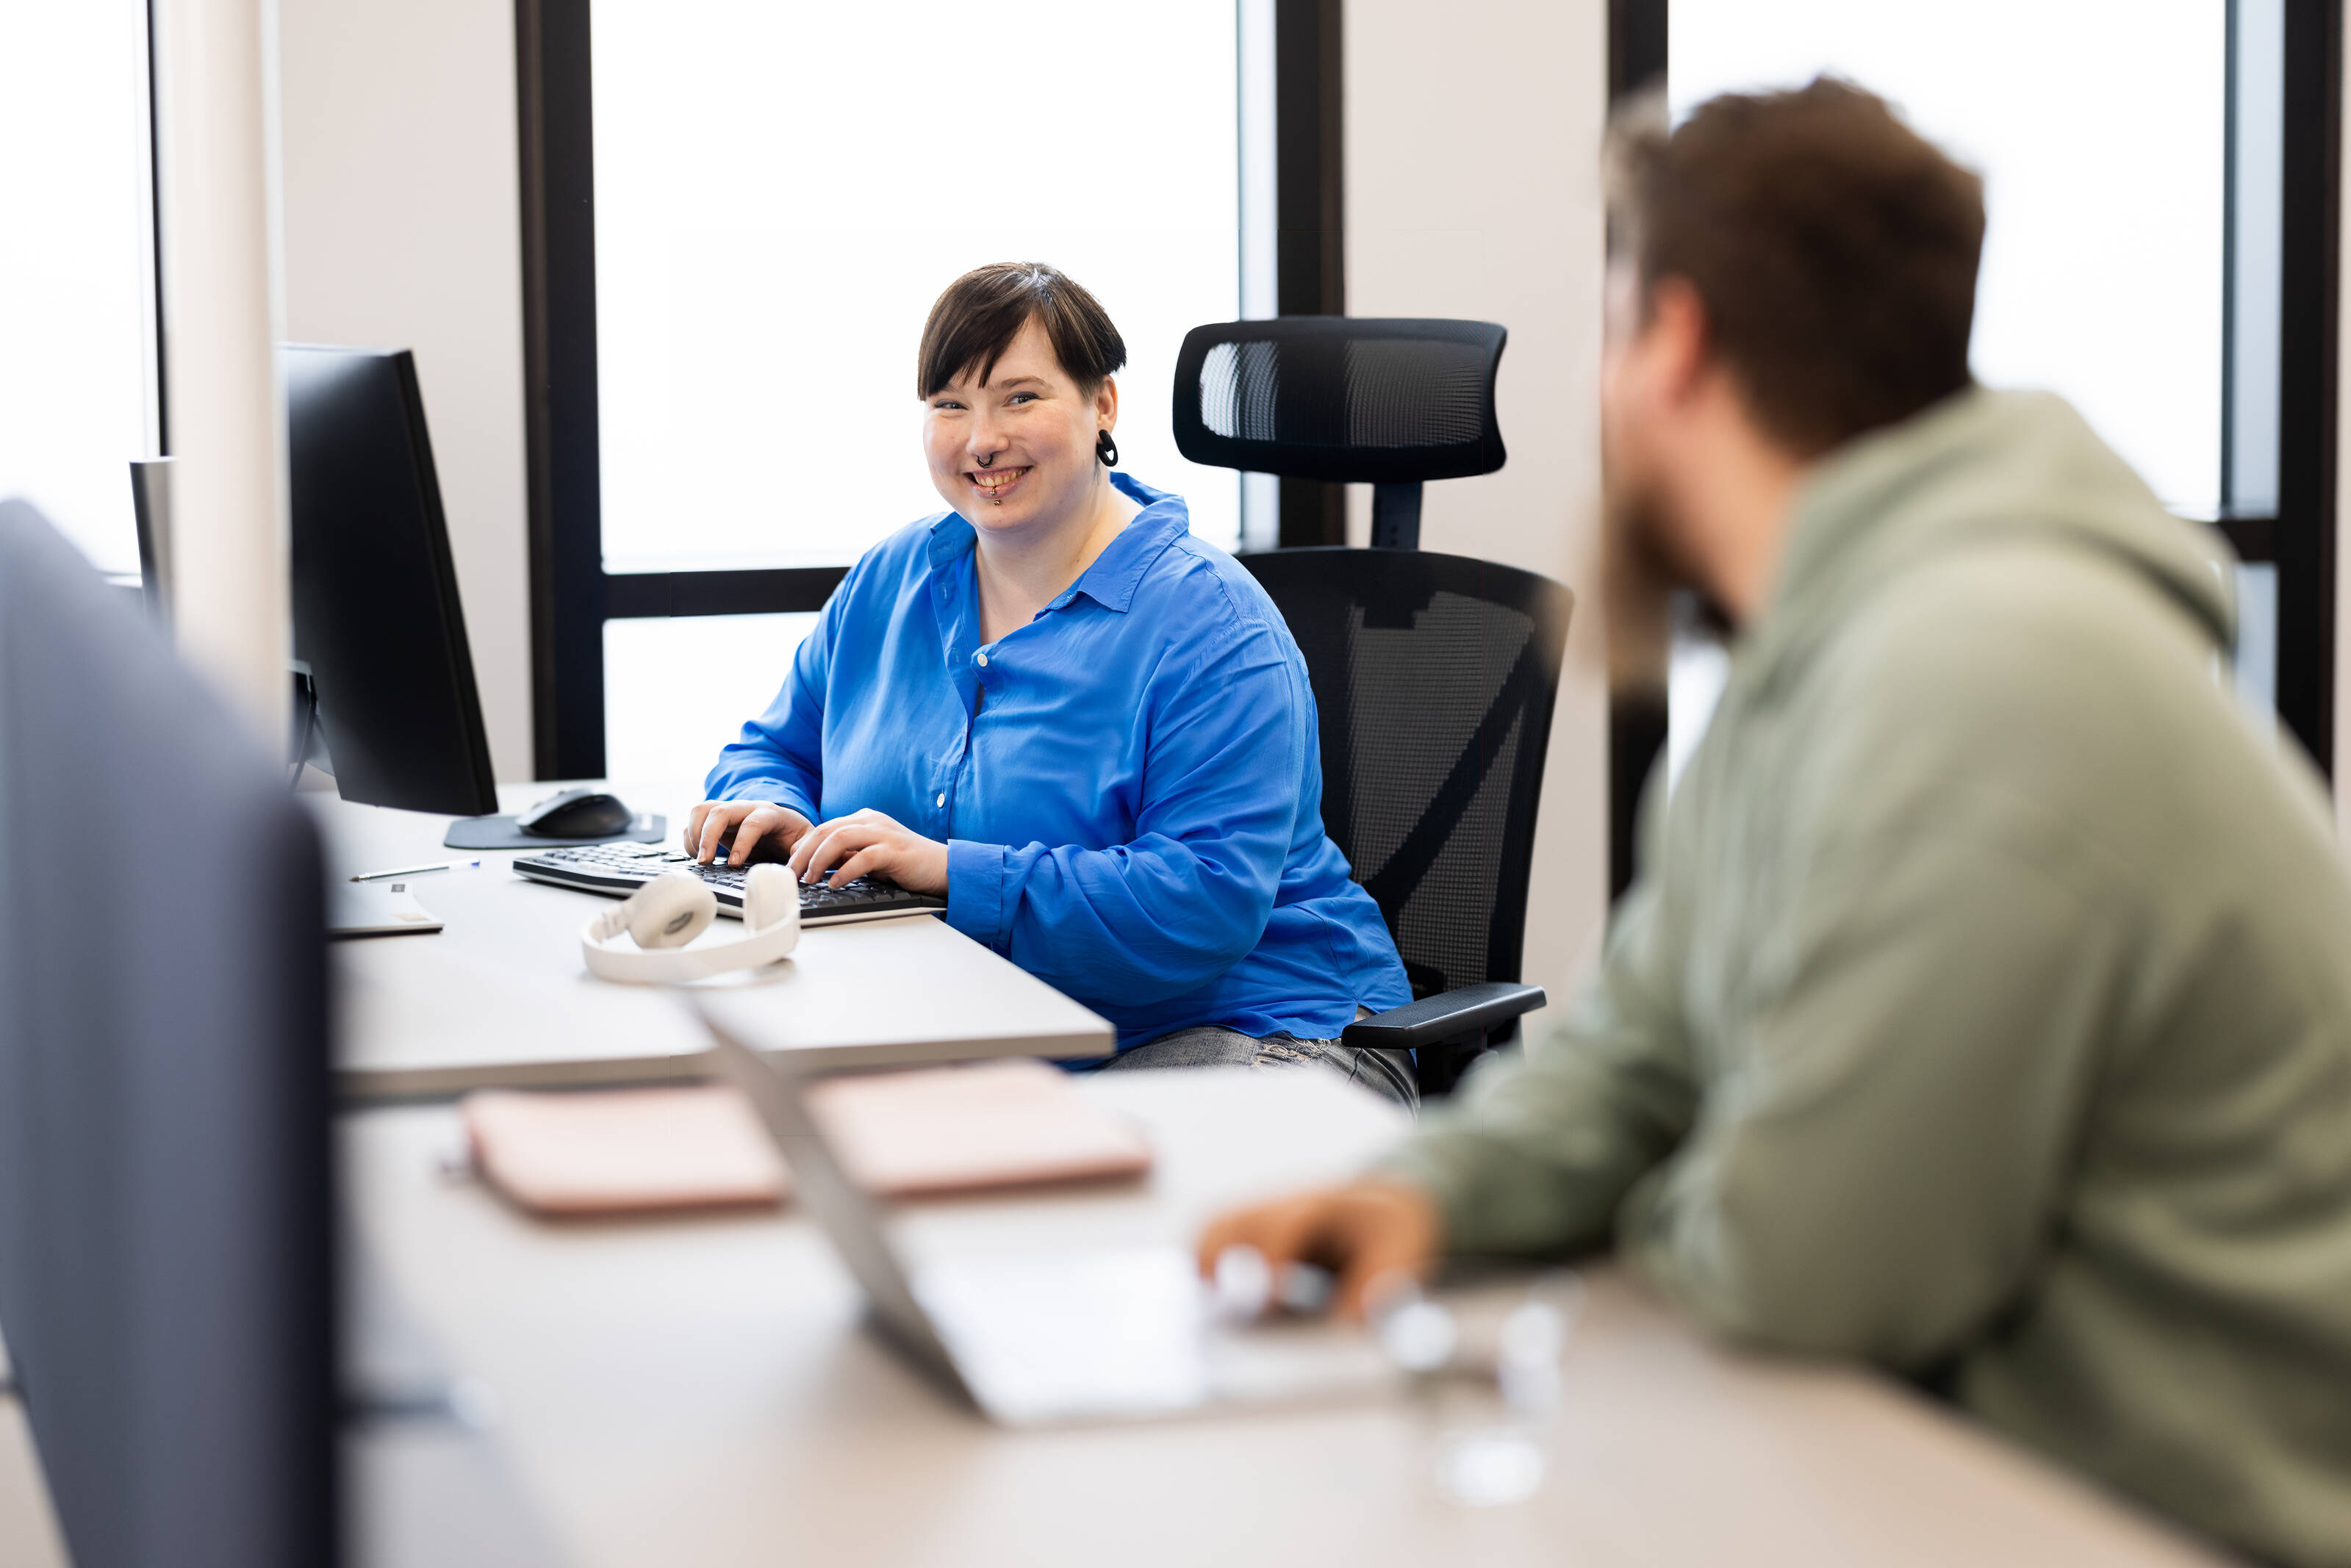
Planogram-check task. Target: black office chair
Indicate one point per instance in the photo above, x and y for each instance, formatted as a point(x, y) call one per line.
point(1434, 675)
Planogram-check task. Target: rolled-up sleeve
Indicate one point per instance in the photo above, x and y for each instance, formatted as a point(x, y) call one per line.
point(1190, 894)
point(1535, 1154)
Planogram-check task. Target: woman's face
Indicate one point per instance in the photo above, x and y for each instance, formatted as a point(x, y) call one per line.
point(1017, 454)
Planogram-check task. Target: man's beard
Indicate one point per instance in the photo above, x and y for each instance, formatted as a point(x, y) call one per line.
point(1644, 583)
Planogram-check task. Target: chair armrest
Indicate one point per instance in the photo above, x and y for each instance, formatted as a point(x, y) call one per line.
point(1450, 1015)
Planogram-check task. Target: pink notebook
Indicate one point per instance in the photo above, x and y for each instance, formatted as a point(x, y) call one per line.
point(924, 1133)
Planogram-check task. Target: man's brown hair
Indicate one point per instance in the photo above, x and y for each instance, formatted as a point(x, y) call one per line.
point(1834, 248)
point(976, 321)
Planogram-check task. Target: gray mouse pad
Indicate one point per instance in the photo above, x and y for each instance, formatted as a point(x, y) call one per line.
point(500, 833)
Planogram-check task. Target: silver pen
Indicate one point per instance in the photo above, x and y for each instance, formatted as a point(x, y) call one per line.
point(414, 869)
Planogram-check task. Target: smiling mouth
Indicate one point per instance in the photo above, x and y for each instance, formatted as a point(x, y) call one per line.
point(994, 484)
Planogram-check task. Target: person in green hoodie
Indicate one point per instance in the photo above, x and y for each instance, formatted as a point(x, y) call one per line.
point(1982, 1009)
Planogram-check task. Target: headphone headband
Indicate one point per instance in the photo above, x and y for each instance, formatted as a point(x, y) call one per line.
point(641, 941)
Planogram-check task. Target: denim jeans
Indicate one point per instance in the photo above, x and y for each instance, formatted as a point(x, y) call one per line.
point(1384, 1072)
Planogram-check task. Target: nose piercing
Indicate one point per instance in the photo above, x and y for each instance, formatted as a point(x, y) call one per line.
point(986, 461)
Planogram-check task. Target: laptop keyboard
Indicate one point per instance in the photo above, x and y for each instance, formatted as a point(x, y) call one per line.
point(619, 870)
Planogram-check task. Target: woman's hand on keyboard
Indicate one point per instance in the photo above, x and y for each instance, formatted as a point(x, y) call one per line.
point(868, 842)
point(759, 830)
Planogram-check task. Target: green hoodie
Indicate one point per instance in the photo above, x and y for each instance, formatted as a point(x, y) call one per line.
point(1983, 1009)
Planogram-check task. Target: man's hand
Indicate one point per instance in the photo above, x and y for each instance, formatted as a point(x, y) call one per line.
point(866, 841)
point(759, 829)
point(1363, 1232)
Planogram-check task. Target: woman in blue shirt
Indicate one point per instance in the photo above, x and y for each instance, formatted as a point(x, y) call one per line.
point(1087, 729)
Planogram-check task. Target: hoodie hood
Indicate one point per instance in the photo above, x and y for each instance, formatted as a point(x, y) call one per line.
point(1982, 468)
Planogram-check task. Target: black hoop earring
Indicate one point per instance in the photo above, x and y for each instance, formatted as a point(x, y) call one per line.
point(1107, 449)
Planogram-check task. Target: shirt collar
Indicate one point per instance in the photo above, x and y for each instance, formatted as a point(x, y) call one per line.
point(951, 539)
point(1115, 574)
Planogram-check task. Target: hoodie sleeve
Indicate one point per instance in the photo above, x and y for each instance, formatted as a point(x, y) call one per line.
point(1535, 1154)
point(1878, 1178)
point(1875, 1177)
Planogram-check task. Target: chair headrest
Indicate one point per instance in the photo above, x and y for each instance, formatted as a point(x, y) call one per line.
point(1360, 401)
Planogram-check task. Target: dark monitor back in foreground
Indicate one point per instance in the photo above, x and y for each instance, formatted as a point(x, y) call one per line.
point(376, 612)
point(166, 1275)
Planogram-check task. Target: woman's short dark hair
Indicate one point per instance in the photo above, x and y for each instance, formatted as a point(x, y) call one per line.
point(1834, 248)
point(982, 311)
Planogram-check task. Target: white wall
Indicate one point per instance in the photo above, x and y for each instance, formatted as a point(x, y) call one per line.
point(1473, 190)
point(403, 230)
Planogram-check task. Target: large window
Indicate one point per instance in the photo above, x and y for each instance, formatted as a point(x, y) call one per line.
point(2102, 147)
point(781, 190)
point(2160, 187)
point(777, 194)
point(78, 375)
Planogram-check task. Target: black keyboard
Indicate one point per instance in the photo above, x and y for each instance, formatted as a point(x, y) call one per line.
point(619, 870)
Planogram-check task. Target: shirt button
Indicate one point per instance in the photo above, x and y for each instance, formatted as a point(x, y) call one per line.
point(982, 658)
point(943, 797)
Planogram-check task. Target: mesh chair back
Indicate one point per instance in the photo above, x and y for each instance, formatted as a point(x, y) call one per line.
point(1338, 398)
point(1434, 676)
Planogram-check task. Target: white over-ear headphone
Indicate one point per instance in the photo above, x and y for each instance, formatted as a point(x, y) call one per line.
point(660, 917)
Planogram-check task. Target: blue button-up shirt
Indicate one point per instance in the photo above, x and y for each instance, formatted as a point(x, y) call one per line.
point(1130, 787)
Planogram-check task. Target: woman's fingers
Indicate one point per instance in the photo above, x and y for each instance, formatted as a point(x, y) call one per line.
point(860, 844)
point(746, 833)
point(715, 823)
point(841, 840)
point(814, 852)
point(756, 825)
point(873, 857)
point(817, 848)
point(807, 855)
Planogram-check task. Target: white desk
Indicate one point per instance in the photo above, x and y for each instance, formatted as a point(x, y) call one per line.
point(500, 996)
point(28, 1529)
point(701, 1392)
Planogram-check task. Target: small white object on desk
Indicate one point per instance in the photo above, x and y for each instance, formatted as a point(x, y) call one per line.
point(377, 909)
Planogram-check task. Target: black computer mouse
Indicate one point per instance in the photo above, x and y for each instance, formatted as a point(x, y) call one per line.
point(576, 814)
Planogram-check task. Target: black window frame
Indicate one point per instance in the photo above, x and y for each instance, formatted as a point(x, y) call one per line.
point(571, 594)
point(1310, 216)
point(2298, 538)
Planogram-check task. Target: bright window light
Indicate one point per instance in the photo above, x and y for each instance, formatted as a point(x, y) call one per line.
point(2100, 132)
point(77, 269)
point(676, 690)
point(782, 191)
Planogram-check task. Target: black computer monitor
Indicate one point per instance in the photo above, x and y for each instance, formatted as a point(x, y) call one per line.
point(377, 619)
point(166, 1262)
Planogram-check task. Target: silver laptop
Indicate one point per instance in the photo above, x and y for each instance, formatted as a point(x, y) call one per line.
point(1116, 1333)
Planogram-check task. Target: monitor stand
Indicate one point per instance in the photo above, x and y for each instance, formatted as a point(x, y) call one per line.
point(500, 833)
